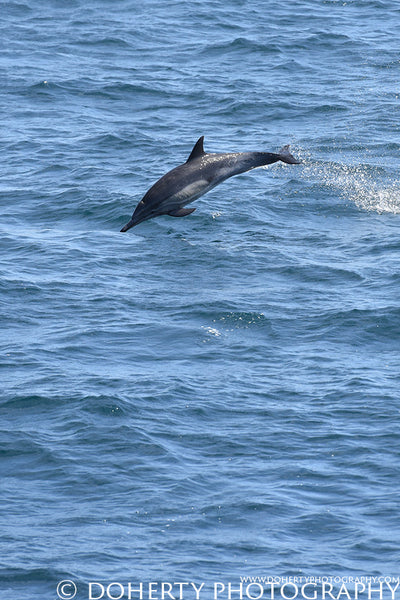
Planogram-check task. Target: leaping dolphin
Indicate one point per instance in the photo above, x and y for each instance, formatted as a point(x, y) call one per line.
point(200, 173)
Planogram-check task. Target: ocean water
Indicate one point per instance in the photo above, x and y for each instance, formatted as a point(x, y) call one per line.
point(215, 397)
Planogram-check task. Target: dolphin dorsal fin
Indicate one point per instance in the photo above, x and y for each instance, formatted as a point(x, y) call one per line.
point(198, 149)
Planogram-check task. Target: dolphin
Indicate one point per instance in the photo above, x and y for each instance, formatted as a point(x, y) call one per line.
point(200, 173)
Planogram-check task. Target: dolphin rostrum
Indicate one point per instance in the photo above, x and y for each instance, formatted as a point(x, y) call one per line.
point(200, 173)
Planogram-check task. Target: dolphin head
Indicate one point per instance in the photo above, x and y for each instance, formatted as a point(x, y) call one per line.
point(130, 224)
point(143, 212)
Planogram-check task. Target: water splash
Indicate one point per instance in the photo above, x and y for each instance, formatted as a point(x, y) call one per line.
point(368, 186)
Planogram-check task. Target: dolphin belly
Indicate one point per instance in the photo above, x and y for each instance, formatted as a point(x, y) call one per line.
point(189, 193)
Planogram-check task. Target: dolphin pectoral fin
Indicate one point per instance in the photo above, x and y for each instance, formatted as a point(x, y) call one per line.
point(198, 149)
point(181, 212)
point(286, 157)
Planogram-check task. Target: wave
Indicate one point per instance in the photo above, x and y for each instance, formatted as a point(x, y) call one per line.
point(241, 44)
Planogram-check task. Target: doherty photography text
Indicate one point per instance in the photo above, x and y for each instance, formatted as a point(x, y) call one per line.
point(247, 588)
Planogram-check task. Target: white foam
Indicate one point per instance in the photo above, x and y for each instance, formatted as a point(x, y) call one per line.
point(212, 331)
point(362, 184)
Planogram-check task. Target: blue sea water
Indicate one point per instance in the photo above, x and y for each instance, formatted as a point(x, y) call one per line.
point(214, 397)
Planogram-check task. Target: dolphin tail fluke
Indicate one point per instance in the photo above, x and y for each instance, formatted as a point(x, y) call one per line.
point(286, 157)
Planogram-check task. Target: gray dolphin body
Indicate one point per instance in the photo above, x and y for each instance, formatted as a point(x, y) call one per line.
point(199, 174)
